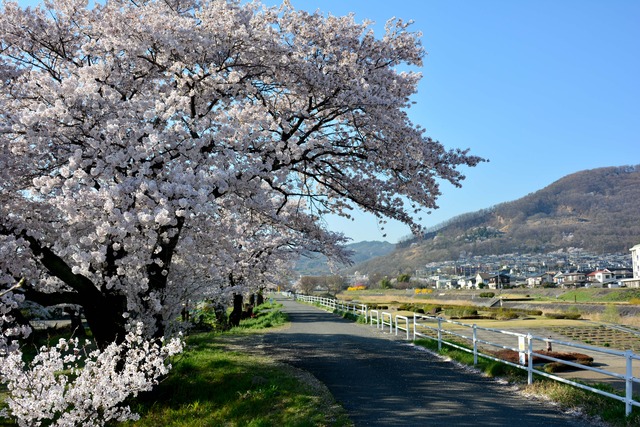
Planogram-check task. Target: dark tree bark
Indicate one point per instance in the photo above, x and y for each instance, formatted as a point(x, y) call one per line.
point(103, 310)
point(236, 313)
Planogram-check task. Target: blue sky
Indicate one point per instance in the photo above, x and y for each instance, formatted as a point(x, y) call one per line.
point(542, 88)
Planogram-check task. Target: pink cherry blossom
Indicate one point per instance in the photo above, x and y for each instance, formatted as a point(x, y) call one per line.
point(158, 152)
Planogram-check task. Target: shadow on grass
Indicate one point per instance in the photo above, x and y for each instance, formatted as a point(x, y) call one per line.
point(218, 387)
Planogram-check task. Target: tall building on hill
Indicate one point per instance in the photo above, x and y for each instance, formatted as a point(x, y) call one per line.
point(635, 259)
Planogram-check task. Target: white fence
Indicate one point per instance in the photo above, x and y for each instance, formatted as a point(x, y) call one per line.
point(345, 306)
point(433, 328)
point(476, 340)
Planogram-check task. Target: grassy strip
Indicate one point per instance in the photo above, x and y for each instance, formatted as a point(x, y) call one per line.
point(608, 410)
point(267, 315)
point(214, 382)
point(211, 385)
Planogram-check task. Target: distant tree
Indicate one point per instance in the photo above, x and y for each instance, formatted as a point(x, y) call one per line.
point(385, 283)
point(374, 279)
point(307, 284)
point(403, 278)
point(335, 284)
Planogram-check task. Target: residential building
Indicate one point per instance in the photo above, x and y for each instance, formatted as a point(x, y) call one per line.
point(539, 279)
point(635, 259)
point(467, 282)
point(600, 276)
point(570, 279)
point(482, 279)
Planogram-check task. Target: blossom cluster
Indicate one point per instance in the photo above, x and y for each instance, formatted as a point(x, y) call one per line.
point(10, 331)
point(70, 385)
point(156, 153)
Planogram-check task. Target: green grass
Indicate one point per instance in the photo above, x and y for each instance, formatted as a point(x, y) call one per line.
point(568, 397)
point(489, 367)
point(211, 385)
point(596, 295)
point(267, 315)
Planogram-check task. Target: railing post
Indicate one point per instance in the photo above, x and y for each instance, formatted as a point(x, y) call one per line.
point(529, 359)
point(628, 377)
point(439, 333)
point(475, 345)
point(414, 326)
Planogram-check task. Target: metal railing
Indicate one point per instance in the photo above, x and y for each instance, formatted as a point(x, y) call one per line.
point(479, 341)
point(344, 306)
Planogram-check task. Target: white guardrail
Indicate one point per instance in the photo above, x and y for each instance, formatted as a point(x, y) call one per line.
point(438, 328)
point(345, 306)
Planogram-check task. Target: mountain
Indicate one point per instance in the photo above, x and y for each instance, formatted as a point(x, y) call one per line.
point(316, 265)
point(595, 210)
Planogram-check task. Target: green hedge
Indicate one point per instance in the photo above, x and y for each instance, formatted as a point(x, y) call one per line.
point(571, 316)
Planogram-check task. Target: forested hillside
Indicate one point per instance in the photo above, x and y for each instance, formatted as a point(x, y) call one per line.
point(596, 210)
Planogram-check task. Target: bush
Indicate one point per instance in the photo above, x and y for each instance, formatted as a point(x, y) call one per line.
point(570, 316)
point(385, 283)
point(487, 294)
point(506, 314)
point(610, 314)
point(403, 278)
point(461, 312)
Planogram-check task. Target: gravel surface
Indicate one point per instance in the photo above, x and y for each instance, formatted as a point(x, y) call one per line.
point(383, 381)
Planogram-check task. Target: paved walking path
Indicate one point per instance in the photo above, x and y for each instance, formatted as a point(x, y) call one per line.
point(381, 381)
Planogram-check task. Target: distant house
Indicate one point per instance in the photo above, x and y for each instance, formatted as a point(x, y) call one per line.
point(451, 283)
point(467, 282)
point(600, 276)
point(570, 279)
point(539, 279)
point(493, 281)
point(622, 273)
point(482, 279)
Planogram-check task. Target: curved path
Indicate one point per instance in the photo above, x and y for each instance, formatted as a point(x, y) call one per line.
point(381, 381)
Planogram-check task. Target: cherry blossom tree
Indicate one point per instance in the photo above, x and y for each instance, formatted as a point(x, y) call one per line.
point(143, 143)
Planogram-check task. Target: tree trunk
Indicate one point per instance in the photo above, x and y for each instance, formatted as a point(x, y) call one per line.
point(236, 313)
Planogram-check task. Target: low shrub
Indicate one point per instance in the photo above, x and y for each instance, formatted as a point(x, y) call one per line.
point(570, 316)
point(505, 314)
point(487, 295)
point(461, 312)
